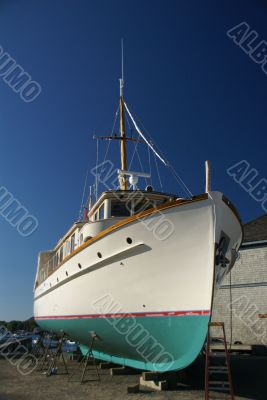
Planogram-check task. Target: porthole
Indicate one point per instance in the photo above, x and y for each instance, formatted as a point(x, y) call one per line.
point(99, 254)
point(79, 265)
point(129, 240)
point(57, 280)
point(67, 273)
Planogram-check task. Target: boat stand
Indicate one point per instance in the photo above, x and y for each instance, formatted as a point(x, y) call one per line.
point(45, 352)
point(88, 359)
point(38, 349)
point(55, 356)
point(218, 375)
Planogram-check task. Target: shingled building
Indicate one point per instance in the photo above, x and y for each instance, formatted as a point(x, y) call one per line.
point(243, 295)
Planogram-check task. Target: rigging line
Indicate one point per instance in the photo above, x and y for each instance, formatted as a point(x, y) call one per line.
point(174, 172)
point(157, 168)
point(96, 172)
point(83, 194)
point(105, 157)
point(115, 119)
point(135, 145)
point(128, 123)
point(135, 148)
point(108, 145)
point(141, 166)
point(143, 137)
point(231, 310)
point(153, 146)
point(149, 163)
point(179, 180)
point(168, 164)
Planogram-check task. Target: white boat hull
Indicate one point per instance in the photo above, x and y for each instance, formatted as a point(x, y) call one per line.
point(165, 286)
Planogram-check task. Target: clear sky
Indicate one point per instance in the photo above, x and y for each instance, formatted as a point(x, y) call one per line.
point(197, 93)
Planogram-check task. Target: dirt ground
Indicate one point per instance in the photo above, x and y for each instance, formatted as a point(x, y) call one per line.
point(249, 376)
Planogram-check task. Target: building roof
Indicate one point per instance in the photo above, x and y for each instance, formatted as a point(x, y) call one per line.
point(256, 230)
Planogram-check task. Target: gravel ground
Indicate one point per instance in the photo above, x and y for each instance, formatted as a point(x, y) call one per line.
point(249, 374)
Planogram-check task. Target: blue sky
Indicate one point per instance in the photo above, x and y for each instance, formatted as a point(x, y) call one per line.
point(197, 93)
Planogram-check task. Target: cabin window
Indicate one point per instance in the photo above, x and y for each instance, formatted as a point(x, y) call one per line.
point(81, 238)
point(67, 248)
point(143, 205)
point(61, 254)
point(119, 209)
point(101, 212)
point(72, 242)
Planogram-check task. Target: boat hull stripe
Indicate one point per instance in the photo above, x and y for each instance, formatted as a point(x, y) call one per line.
point(125, 315)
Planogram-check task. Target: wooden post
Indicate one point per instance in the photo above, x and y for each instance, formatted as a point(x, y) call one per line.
point(208, 176)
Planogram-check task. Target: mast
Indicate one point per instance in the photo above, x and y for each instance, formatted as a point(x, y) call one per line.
point(123, 180)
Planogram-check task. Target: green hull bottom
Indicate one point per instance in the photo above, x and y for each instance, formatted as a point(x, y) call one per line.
point(151, 343)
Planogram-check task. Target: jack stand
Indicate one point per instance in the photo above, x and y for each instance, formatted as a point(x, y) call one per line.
point(89, 358)
point(55, 356)
point(38, 349)
point(45, 352)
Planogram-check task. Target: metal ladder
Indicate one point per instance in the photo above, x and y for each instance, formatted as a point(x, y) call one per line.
point(225, 384)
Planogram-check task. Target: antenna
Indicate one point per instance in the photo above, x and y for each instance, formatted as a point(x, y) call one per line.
point(122, 61)
point(122, 70)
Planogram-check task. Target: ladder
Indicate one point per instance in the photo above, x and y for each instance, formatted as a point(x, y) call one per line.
point(218, 375)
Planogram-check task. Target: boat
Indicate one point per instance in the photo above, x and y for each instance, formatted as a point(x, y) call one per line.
point(136, 277)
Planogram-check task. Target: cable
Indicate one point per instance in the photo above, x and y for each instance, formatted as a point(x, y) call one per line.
point(231, 310)
point(115, 119)
point(153, 146)
point(141, 166)
point(157, 168)
point(107, 149)
point(149, 163)
point(83, 194)
point(96, 172)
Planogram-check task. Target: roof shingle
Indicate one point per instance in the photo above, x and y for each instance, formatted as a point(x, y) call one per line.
point(256, 230)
